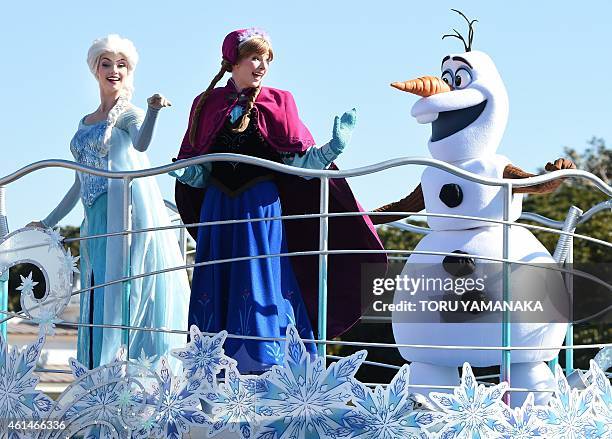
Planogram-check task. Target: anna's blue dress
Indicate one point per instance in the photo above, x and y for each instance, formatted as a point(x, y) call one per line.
point(251, 297)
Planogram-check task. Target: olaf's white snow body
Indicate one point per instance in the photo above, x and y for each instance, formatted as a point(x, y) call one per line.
point(468, 123)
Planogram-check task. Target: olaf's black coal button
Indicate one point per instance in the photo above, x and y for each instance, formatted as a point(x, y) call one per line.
point(451, 194)
point(459, 265)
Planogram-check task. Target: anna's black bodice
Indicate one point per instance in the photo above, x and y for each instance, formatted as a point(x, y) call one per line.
point(233, 177)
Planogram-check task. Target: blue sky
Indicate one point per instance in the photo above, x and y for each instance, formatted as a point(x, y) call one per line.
point(554, 58)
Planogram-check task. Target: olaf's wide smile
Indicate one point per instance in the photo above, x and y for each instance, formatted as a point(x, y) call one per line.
point(450, 122)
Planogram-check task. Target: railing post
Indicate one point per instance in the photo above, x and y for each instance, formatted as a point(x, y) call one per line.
point(564, 254)
point(183, 243)
point(569, 335)
point(126, 226)
point(4, 277)
point(506, 326)
point(323, 246)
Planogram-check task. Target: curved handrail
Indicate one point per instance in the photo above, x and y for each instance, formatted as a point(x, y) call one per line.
point(286, 169)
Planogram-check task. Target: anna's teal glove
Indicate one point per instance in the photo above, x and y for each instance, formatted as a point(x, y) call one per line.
point(194, 175)
point(343, 129)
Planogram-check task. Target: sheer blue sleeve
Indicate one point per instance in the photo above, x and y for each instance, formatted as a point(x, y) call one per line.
point(66, 205)
point(313, 158)
point(138, 127)
point(194, 175)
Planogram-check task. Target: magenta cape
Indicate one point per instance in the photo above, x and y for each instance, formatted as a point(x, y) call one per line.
point(280, 126)
point(277, 120)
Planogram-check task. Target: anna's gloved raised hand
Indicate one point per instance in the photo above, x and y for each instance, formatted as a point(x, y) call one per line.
point(343, 130)
point(321, 158)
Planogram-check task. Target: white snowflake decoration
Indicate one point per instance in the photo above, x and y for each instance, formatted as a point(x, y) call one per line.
point(145, 360)
point(27, 284)
point(473, 410)
point(389, 413)
point(46, 321)
point(105, 402)
point(71, 262)
point(522, 422)
point(19, 399)
point(92, 403)
point(42, 248)
point(303, 398)
point(55, 236)
point(602, 406)
point(203, 357)
point(178, 412)
point(236, 405)
point(569, 414)
point(603, 359)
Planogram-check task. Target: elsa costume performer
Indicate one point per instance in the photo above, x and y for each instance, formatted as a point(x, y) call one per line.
point(115, 138)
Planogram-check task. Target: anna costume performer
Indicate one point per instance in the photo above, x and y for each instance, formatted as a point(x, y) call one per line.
point(260, 297)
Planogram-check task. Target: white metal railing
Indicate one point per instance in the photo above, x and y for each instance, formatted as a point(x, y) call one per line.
point(564, 229)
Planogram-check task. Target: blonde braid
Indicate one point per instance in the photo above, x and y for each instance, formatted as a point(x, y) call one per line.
point(113, 115)
point(195, 118)
point(246, 116)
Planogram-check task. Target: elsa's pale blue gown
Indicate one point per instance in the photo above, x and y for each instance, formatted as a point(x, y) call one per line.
point(155, 301)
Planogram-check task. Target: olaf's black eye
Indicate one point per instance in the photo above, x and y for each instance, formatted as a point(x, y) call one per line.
point(463, 78)
point(448, 78)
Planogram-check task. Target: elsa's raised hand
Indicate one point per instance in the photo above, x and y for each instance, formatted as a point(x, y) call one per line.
point(158, 102)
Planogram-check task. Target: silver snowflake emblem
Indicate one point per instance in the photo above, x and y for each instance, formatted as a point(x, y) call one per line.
point(203, 357)
point(303, 398)
point(390, 413)
point(236, 404)
point(568, 415)
point(473, 410)
point(27, 284)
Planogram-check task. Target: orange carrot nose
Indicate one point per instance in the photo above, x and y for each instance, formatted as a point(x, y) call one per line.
point(424, 86)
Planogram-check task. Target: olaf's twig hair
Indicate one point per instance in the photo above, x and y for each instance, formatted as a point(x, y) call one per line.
point(467, 45)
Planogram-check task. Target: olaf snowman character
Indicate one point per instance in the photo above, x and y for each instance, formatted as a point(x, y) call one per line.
point(467, 108)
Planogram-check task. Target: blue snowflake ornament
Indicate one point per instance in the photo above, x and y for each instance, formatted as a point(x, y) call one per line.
point(303, 399)
point(236, 404)
point(19, 399)
point(522, 422)
point(203, 357)
point(390, 413)
point(602, 405)
point(179, 405)
point(568, 415)
point(473, 410)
